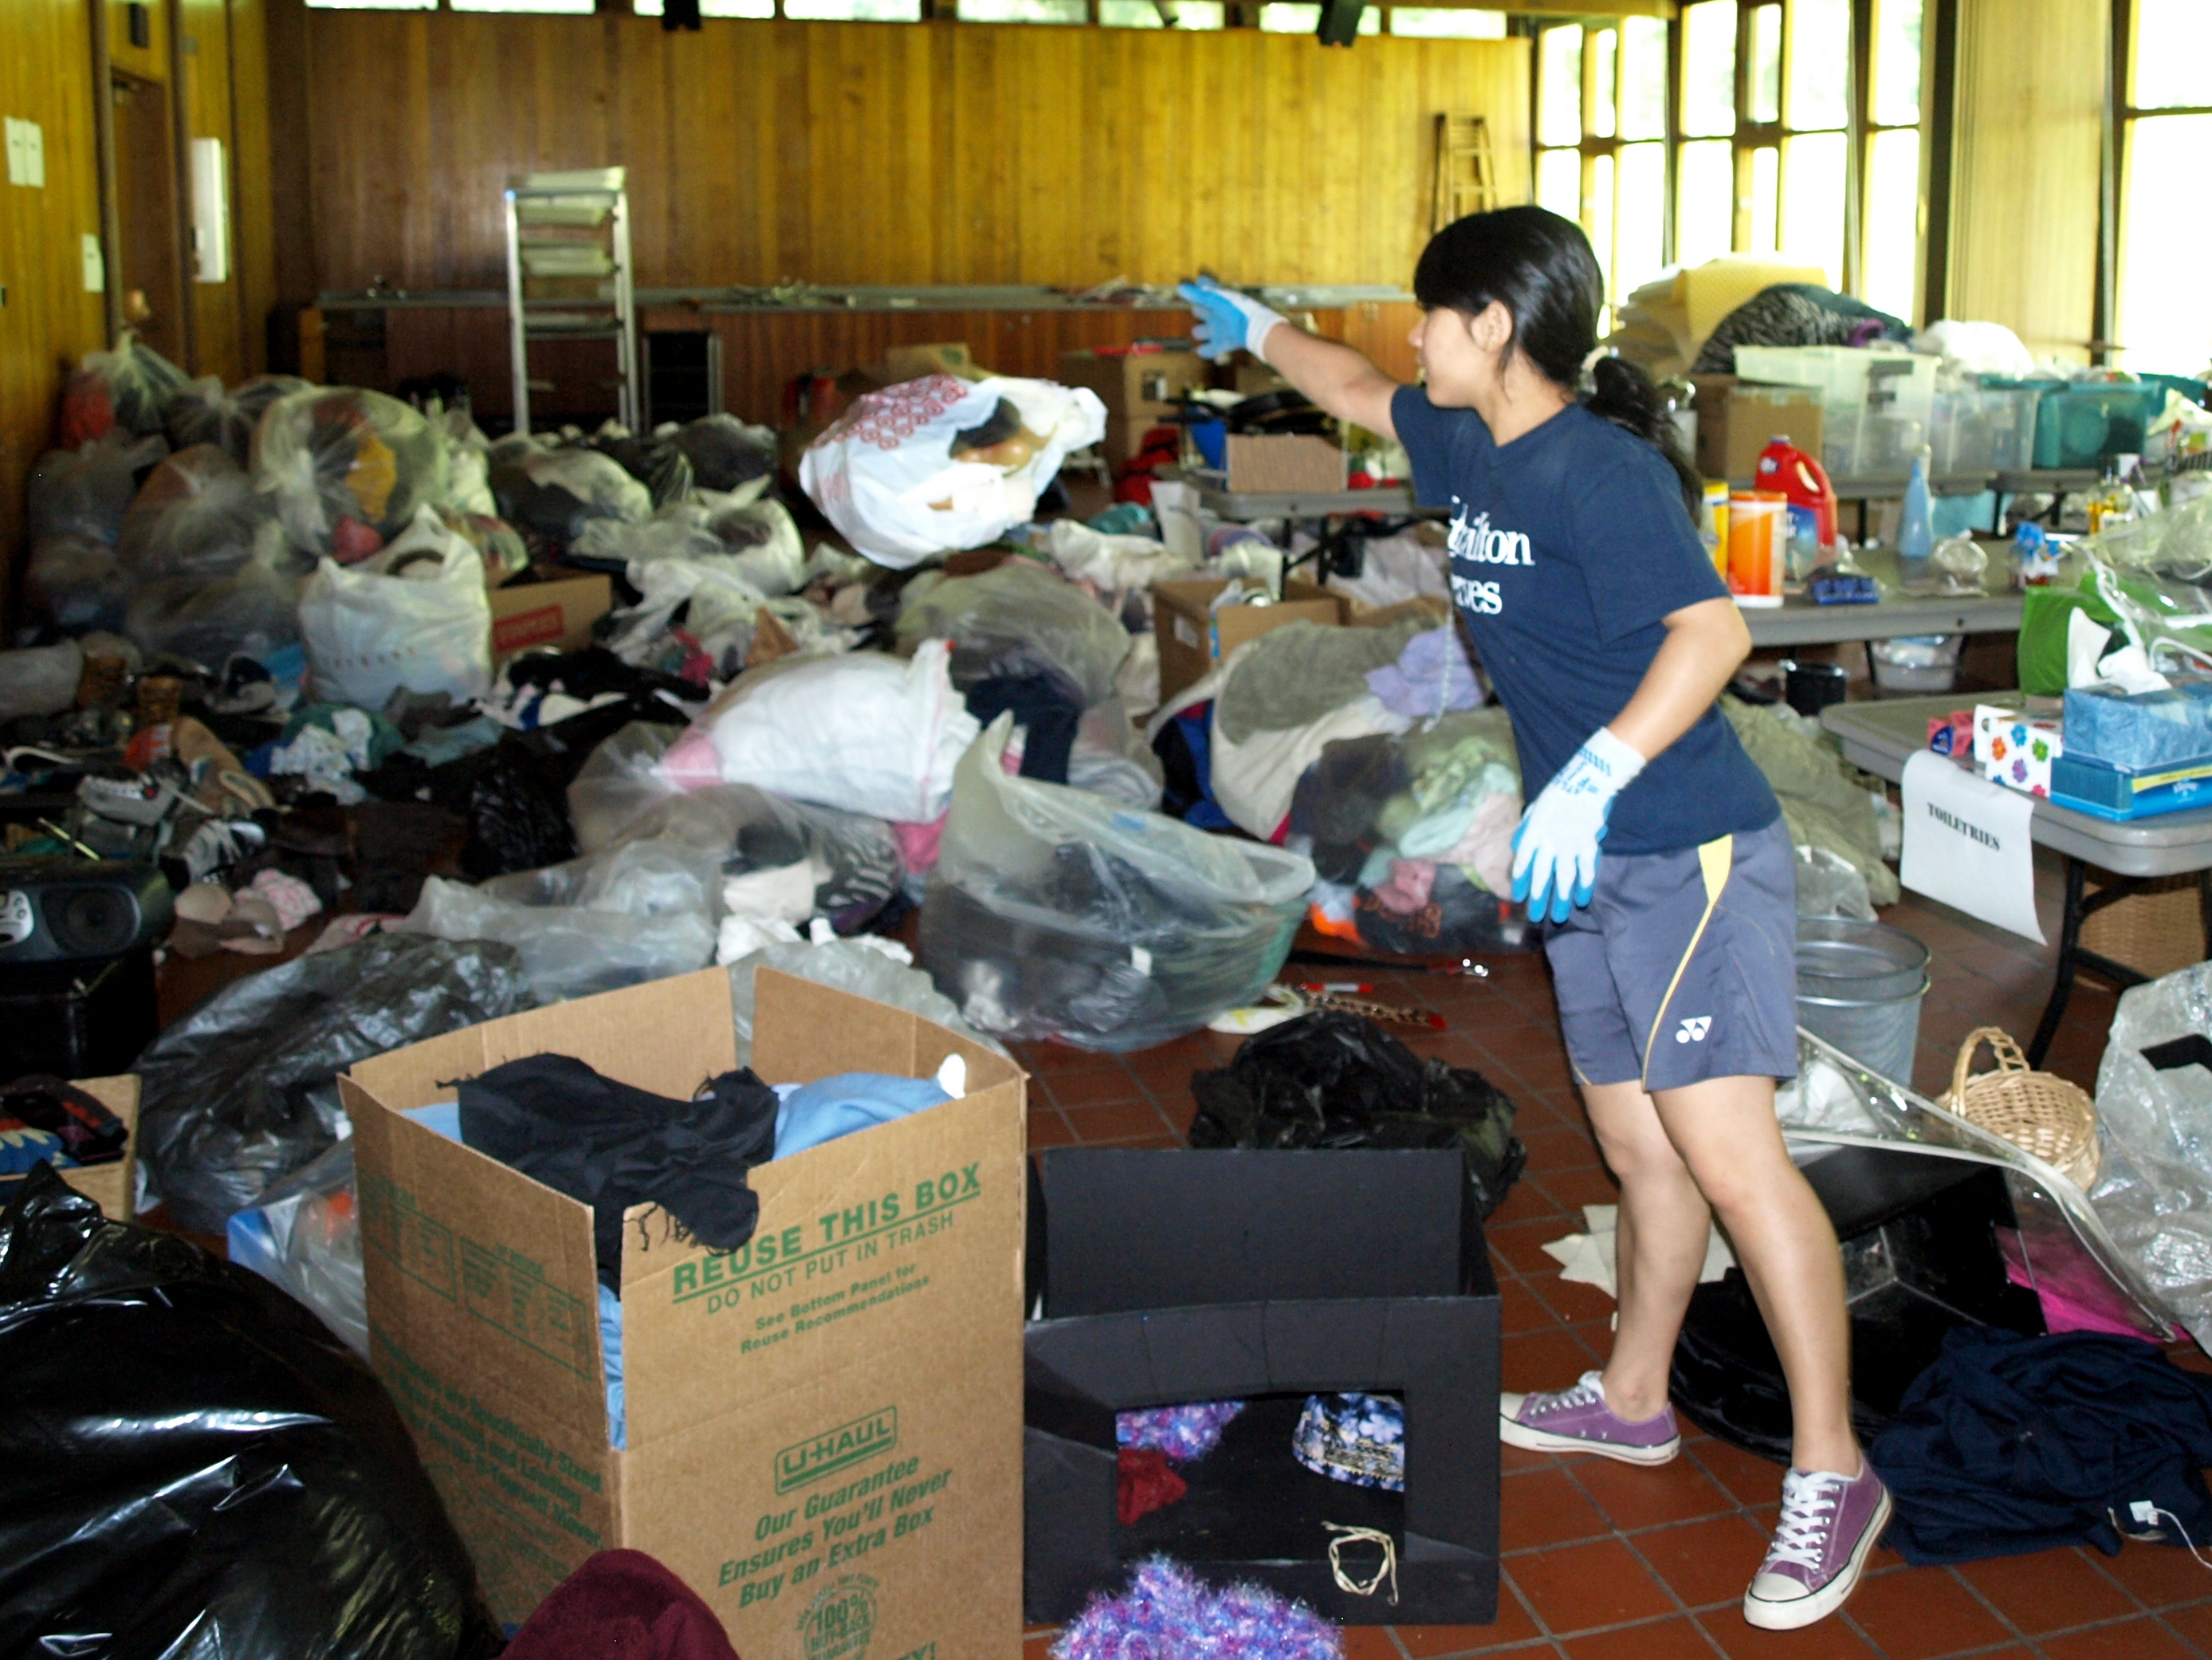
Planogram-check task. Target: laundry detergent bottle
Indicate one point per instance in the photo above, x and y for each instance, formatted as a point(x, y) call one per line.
point(1783, 467)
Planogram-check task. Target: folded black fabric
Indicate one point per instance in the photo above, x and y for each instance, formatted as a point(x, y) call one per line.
point(2008, 1444)
point(554, 1119)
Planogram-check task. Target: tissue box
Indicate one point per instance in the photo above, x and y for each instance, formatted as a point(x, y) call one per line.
point(2015, 749)
point(2148, 729)
point(1952, 734)
point(2124, 792)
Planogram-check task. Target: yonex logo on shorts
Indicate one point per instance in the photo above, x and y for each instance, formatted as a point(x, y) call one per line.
point(1694, 1029)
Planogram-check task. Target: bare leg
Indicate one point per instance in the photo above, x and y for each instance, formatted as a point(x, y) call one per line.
point(1725, 1130)
point(1661, 1246)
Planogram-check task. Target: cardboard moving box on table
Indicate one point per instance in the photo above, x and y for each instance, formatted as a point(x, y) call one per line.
point(823, 1428)
point(1194, 642)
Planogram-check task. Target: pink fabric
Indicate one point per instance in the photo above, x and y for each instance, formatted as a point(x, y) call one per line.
point(918, 843)
point(1408, 888)
point(691, 763)
point(1488, 846)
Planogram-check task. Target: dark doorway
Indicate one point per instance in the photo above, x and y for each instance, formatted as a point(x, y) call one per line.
point(149, 277)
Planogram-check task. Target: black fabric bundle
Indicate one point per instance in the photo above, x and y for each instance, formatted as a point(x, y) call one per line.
point(611, 1145)
point(1331, 1079)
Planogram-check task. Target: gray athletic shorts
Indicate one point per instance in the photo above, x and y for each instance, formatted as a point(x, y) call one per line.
point(1683, 965)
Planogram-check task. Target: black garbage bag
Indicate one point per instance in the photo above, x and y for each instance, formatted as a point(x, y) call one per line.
point(193, 1468)
point(725, 452)
point(653, 460)
point(244, 1089)
point(1330, 1079)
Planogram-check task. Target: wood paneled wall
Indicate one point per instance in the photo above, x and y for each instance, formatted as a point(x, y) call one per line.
point(49, 317)
point(763, 352)
point(2026, 168)
point(886, 152)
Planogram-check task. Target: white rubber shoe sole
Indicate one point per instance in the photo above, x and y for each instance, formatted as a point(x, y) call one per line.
point(1516, 1434)
point(1802, 1611)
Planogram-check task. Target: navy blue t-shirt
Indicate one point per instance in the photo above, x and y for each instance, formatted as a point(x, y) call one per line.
point(1569, 546)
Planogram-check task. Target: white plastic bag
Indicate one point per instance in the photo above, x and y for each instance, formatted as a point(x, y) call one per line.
point(865, 732)
point(888, 475)
point(304, 1234)
point(367, 634)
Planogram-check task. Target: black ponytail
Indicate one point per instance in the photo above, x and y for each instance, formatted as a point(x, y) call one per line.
point(1540, 267)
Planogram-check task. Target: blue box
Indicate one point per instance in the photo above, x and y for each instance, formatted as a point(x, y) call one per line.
point(2149, 729)
point(2124, 792)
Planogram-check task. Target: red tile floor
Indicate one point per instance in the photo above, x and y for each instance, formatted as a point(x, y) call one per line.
point(1607, 1562)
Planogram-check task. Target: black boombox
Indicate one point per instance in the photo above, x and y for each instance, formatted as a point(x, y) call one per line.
point(60, 911)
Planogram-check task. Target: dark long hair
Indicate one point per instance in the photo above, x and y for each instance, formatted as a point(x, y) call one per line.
point(1540, 267)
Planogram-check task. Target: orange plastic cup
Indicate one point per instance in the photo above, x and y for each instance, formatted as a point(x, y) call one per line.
point(1758, 532)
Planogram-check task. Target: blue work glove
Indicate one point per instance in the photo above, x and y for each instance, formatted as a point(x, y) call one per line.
point(1555, 849)
point(1227, 321)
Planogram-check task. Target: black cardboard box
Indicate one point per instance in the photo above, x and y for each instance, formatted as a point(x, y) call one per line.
point(1170, 1277)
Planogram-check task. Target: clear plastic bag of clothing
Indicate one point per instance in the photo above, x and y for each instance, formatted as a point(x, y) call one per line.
point(348, 468)
point(243, 1090)
point(85, 491)
point(2154, 1190)
point(197, 516)
point(192, 1465)
point(554, 491)
point(618, 796)
point(127, 387)
point(1056, 914)
point(1020, 619)
point(40, 679)
point(656, 462)
point(74, 585)
point(727, 454)
point(202, 412)
point(638, 911)
point(305, 1236)
point(255, 610)
point(2156, 573)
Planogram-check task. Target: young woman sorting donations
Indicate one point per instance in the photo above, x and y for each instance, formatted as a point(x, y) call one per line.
point(1652, 851)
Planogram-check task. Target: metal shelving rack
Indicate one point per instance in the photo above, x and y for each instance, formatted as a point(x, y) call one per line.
point(571, 230)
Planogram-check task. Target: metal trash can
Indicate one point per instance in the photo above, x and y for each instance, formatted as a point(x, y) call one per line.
point(1860, 987)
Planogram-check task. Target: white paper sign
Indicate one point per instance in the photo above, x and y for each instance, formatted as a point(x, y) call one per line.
point(1966, 843)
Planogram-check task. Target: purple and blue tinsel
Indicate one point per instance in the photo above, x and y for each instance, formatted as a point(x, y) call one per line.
point(1168, 1615)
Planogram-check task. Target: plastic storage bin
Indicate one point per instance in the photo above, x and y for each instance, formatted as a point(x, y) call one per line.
point(1991, 430)
point(2085, 426)
point(1915, 663)
point(1876, 406)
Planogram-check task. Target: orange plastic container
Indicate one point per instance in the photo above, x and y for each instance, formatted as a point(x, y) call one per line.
point(1758, 537)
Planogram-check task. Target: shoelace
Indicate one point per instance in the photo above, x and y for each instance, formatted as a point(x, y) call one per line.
point(1809, 1501)
point(1586, 1392)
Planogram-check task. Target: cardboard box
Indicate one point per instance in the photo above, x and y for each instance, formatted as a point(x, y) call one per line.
point(114, 1187)
point(940, 357)
point(1737, 419)
point(1134, 383)
point(1432, 608)
point(1170, 1277)
point(1285, 463)
point(557, 612)
point(1194, 642)
point(823, 1427)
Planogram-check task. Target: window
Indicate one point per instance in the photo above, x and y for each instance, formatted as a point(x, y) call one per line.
point(1143, 14)
point(853, 11)
point(1447, 23)
point(1601, 133)
point(571, 8)
point(753, 8)
point(1018, 11)
point(2162, 322)
point(1275, 19)
point(1772, 135)
point(375, 5)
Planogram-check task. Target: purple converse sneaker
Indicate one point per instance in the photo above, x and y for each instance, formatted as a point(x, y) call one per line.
point(1578, 1421)
point(1829, 1524)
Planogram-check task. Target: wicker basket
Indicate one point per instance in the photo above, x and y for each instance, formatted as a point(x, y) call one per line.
point(2154, 931)
point(2036, 1111)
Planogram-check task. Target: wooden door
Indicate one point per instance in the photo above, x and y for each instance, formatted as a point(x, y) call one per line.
point(149, 277)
